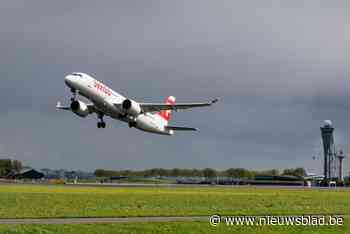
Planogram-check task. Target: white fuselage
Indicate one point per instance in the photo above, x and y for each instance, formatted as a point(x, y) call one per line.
point(108, 102)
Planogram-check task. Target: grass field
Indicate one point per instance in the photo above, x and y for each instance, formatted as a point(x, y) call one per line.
point(169, 228)
point(24, 201)
point(20, 201)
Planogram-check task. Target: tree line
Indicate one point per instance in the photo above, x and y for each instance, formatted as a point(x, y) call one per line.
point(206, 173)
point(8, 165)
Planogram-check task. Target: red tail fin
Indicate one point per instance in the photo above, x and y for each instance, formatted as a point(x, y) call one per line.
point(167, 114)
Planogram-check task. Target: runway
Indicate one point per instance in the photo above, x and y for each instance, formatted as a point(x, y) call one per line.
point(103, 220)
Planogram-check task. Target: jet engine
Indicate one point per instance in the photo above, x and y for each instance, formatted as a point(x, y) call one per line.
point(79, 108)
point(131, 107)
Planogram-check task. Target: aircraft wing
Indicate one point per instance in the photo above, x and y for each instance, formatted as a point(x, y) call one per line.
point(90, 106)
point(59, 106)
point(155, 107)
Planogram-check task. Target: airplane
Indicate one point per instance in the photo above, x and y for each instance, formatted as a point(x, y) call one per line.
point(148, 117)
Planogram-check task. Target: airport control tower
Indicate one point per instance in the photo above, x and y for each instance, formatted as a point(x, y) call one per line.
point(329, 167)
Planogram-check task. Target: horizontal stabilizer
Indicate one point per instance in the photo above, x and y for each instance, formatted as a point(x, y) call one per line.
point(90, 107)
point(59, 106)
point(180, 128)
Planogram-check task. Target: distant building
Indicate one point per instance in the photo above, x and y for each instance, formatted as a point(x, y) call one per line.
point(63, 174)
point(30, 174)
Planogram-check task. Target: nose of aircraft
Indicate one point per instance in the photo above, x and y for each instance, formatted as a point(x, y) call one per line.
point(69, 80)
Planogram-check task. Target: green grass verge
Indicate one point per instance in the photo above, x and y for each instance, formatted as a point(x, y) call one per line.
point(23, 201)
point(171, 227)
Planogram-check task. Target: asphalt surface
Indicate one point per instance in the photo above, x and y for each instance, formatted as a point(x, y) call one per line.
point(101, 220)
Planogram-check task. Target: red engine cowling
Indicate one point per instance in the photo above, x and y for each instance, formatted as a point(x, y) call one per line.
point(131, 107)
point(80, 108)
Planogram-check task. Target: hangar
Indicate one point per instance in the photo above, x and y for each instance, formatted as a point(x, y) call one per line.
point(30, 174)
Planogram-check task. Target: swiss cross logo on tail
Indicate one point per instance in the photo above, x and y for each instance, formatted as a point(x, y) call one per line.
point(167, 114)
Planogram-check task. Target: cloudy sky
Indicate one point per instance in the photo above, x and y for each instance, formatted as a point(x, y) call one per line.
point(279, 69)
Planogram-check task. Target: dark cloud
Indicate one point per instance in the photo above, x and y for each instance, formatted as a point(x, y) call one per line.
point(279, 69)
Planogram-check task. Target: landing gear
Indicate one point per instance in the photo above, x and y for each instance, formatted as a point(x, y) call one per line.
point(75, 94)
point(132, 123)
point(101, 123)
point(74, 103)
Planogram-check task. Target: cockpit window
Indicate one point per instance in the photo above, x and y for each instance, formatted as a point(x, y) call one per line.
point(77, 74)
